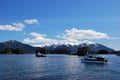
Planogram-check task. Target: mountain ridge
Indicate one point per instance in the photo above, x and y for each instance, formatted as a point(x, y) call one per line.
point(16, 44)
point(73, 48)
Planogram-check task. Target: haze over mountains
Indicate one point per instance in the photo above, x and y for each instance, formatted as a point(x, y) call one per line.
point(73, 48)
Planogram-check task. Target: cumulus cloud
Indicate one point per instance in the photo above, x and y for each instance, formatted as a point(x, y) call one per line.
point(39, 39)
point(13, 27)
point(73, 36)
point(31, 21)
point(42, 40)
point(76, 34)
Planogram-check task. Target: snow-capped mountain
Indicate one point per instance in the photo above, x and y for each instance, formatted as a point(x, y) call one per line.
point(74, 48)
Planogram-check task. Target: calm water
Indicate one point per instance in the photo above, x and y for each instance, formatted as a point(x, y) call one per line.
point(56, 67)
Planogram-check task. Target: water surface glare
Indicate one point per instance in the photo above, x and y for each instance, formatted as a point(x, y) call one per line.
point(56, 67)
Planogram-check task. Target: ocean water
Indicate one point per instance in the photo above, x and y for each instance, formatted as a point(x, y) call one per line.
point(56, 67)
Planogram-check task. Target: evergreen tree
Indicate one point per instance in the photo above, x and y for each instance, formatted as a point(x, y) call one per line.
point(42, 50)
point(82, 51)
point(103, 52)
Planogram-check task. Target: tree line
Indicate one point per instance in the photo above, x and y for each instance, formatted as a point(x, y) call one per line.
point(12, 51)
point(81, 51)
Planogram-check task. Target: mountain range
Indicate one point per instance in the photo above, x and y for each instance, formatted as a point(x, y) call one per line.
point(73, 48)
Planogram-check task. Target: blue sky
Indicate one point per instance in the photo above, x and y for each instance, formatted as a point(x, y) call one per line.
point(44, 22)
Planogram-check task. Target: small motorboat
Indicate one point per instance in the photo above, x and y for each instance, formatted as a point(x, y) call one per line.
point(94, 59)
point(40, 55)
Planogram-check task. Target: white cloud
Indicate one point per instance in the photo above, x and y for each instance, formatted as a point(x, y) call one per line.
point(39, 39)
point(72, 36)
point(42, 40)
point(31, 21)
point(13, 27)
point(34, 34)
point(76, 34)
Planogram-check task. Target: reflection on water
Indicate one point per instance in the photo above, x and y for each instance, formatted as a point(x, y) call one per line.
point(56, 67)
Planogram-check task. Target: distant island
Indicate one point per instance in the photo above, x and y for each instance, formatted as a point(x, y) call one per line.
point(15, 47)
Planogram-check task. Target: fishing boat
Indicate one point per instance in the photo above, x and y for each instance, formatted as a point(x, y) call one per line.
point(94, 59)
point(38, 54)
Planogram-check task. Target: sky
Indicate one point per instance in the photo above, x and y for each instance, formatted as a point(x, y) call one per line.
point(46, 22)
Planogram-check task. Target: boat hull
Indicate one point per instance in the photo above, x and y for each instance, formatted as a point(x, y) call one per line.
point(91, 61)
point(40, 55)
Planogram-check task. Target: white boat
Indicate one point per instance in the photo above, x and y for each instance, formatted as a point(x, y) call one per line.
point(94, 59)
point(40, 55)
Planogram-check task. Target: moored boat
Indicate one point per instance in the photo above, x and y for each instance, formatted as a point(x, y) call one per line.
point(40, 55)
point(94, 59)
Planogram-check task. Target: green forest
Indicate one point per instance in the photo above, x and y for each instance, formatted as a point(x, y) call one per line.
point(81, 51)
